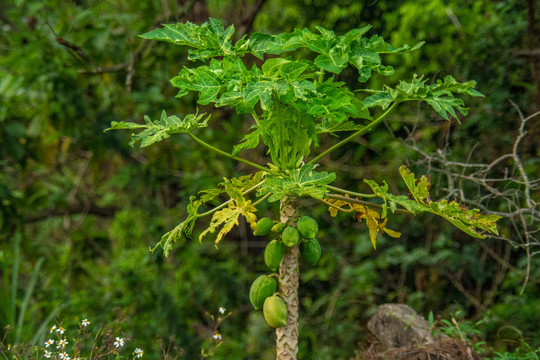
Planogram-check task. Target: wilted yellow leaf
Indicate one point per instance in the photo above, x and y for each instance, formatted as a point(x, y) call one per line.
point(227, 218)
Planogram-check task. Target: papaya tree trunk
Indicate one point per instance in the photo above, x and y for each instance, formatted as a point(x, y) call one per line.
point(287, 336)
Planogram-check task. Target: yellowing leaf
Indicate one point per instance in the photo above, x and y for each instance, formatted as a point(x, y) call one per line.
point(375, 223)
point(373, 230)
point(339, 203)
point(227, 218)
point(392, 233)
point(470, 221)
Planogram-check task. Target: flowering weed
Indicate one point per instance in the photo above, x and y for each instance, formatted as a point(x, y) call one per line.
point(76, 342)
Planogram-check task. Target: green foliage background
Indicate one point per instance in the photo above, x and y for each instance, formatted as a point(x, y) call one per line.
point(90, 206)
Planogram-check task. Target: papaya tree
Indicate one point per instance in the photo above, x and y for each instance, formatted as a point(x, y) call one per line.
point(287, 86)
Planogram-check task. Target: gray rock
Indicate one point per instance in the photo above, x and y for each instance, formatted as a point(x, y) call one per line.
point(397, 325)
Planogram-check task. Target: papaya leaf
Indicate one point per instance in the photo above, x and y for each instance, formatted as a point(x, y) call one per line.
point(261, 91)
point(241, 183)
point(333, 60)
point(298, 182)
point(209, 39)
point(260, 43)
point(375, 222)
point(365, 56)
point(161, 129)
point(182, 230)
point(250, 141)
point(336, 103)
point(419, 188)
point(234, 188)
point(391, 200)
point(440, 96)
point(286, 68)
point(382, 99)
point(227, 218)
point(470, 221)
point(450, 84)
point(202, 79)
point(238, 205)
point(334, 52)
point(377, 43)
point(179, 34)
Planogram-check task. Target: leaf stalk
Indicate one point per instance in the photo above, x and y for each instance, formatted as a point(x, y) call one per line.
point(221, 152)
point(361, 202)
point(348, 192)
point(360, 132)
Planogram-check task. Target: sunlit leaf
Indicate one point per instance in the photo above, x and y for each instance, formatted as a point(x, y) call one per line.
point(227, 218)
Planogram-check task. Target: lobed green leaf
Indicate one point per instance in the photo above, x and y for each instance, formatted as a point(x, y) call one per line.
point(299, 182)
point(210, 39)
point(440, 96)
point(161, 129)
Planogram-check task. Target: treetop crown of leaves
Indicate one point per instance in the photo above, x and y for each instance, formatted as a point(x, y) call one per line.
point(293, 96)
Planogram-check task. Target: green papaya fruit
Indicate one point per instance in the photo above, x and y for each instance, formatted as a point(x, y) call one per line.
point(310, 251)
point(290, 236)
point(275, 311)
point(263, 287)
point(263, 226)
point(278, 228)
point(273, 254)
point(307, 227)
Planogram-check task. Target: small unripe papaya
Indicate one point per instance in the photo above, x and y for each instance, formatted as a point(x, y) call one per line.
point(278, 228)
point(310, 251)
point(263, 287)
point(290, 236)
point(273, 254)
point(275, 311)
point(307, 227)
point(263, 226)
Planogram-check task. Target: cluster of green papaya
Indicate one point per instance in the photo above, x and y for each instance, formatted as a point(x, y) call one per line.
point(263, 292)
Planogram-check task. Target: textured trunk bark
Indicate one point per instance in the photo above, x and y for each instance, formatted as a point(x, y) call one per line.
point(287, 336)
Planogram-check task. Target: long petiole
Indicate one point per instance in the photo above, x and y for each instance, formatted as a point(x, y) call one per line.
point(256, 118)
point(361, 202)
point(294, 158)
point(348, 192)
point(221, 152)
point(335, 206)
point(282, 154)
point(360, 132)
point(261, 199)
